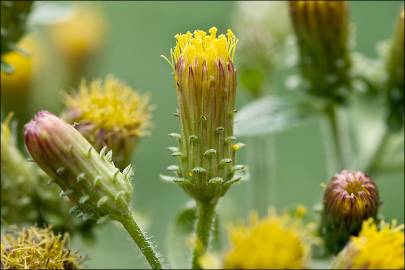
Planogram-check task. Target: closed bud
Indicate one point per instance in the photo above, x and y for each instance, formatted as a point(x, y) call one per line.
point(378, 246)
point(395, 75)
point(14, 15)
point(205, 80)
point(349, 199)
point(88, 178)
point(110, 114)
point(322, 29)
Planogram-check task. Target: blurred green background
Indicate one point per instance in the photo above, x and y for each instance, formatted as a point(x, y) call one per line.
point(138, 33)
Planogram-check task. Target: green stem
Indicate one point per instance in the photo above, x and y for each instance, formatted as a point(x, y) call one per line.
point(336, 153)
point(261, 161)
point(128, 221)
point(203, 229)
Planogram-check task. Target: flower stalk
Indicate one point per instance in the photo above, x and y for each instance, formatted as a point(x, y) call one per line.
point(205, 81)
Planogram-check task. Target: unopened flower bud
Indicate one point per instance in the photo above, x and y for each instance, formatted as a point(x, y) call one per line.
point(395, 75)
point(205, 80)
point(111, 114)
point(87, 177)
point(349, 199)
point(376, 247)
point(322, 29)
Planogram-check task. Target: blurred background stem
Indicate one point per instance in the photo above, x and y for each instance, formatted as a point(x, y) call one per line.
point(337, 140)
point(261, 161)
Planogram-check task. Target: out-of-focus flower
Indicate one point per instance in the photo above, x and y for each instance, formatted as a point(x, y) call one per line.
point(88, 178)
point(322, 31)
point(35, 248)
point(79, 38)
point(110, 114)
point(376, 247)
point(16, 86)
point(263, 28)
point(395, 75)
point(349, 199)
point(279, 241)
point(14, 15)
point(205, 80)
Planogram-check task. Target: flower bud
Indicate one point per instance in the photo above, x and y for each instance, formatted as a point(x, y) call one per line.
point(14, 15)
point(278, 241)
point(322, 29)
point(395, 76)
point(205, 80)
point(349, 199)
point(110, 114)
point(87, 177)
point(376, 247)
point(35, 248)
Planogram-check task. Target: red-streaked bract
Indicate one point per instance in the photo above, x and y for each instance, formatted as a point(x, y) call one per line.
point(349, 199)
point(87, 177)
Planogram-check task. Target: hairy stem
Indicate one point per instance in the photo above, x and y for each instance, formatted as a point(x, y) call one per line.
point(128, 221)
point(203, 230)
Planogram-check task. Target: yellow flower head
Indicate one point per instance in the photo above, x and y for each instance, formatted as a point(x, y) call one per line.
point(203, 49)
point(275, 242)
point(111, 106)
point(110, 114)
point(21, 79)
point(374, 248)
point(80, 36)
point(205, 81)
point(34, 248)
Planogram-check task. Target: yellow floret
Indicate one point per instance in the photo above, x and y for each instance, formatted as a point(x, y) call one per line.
point(35, 248)
point(200, 47)
point(275, 242)
point(379, 248)
point(112, 106)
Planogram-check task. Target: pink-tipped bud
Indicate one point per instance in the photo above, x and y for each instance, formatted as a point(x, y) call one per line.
point(87, 177)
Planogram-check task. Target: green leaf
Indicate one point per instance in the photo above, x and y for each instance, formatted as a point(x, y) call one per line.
point(271, 114)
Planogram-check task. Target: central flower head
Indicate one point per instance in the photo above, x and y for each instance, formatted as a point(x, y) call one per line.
point(203, 49)
point(205, 81)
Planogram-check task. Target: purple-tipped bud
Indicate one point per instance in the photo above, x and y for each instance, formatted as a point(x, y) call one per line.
point(349, 199)
point(87, 177)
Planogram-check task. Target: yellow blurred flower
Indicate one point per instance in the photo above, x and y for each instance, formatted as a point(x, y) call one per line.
point(111, 114)
point(374, 248)
point(275, 242)
point(80, 36)
point(21, 79)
